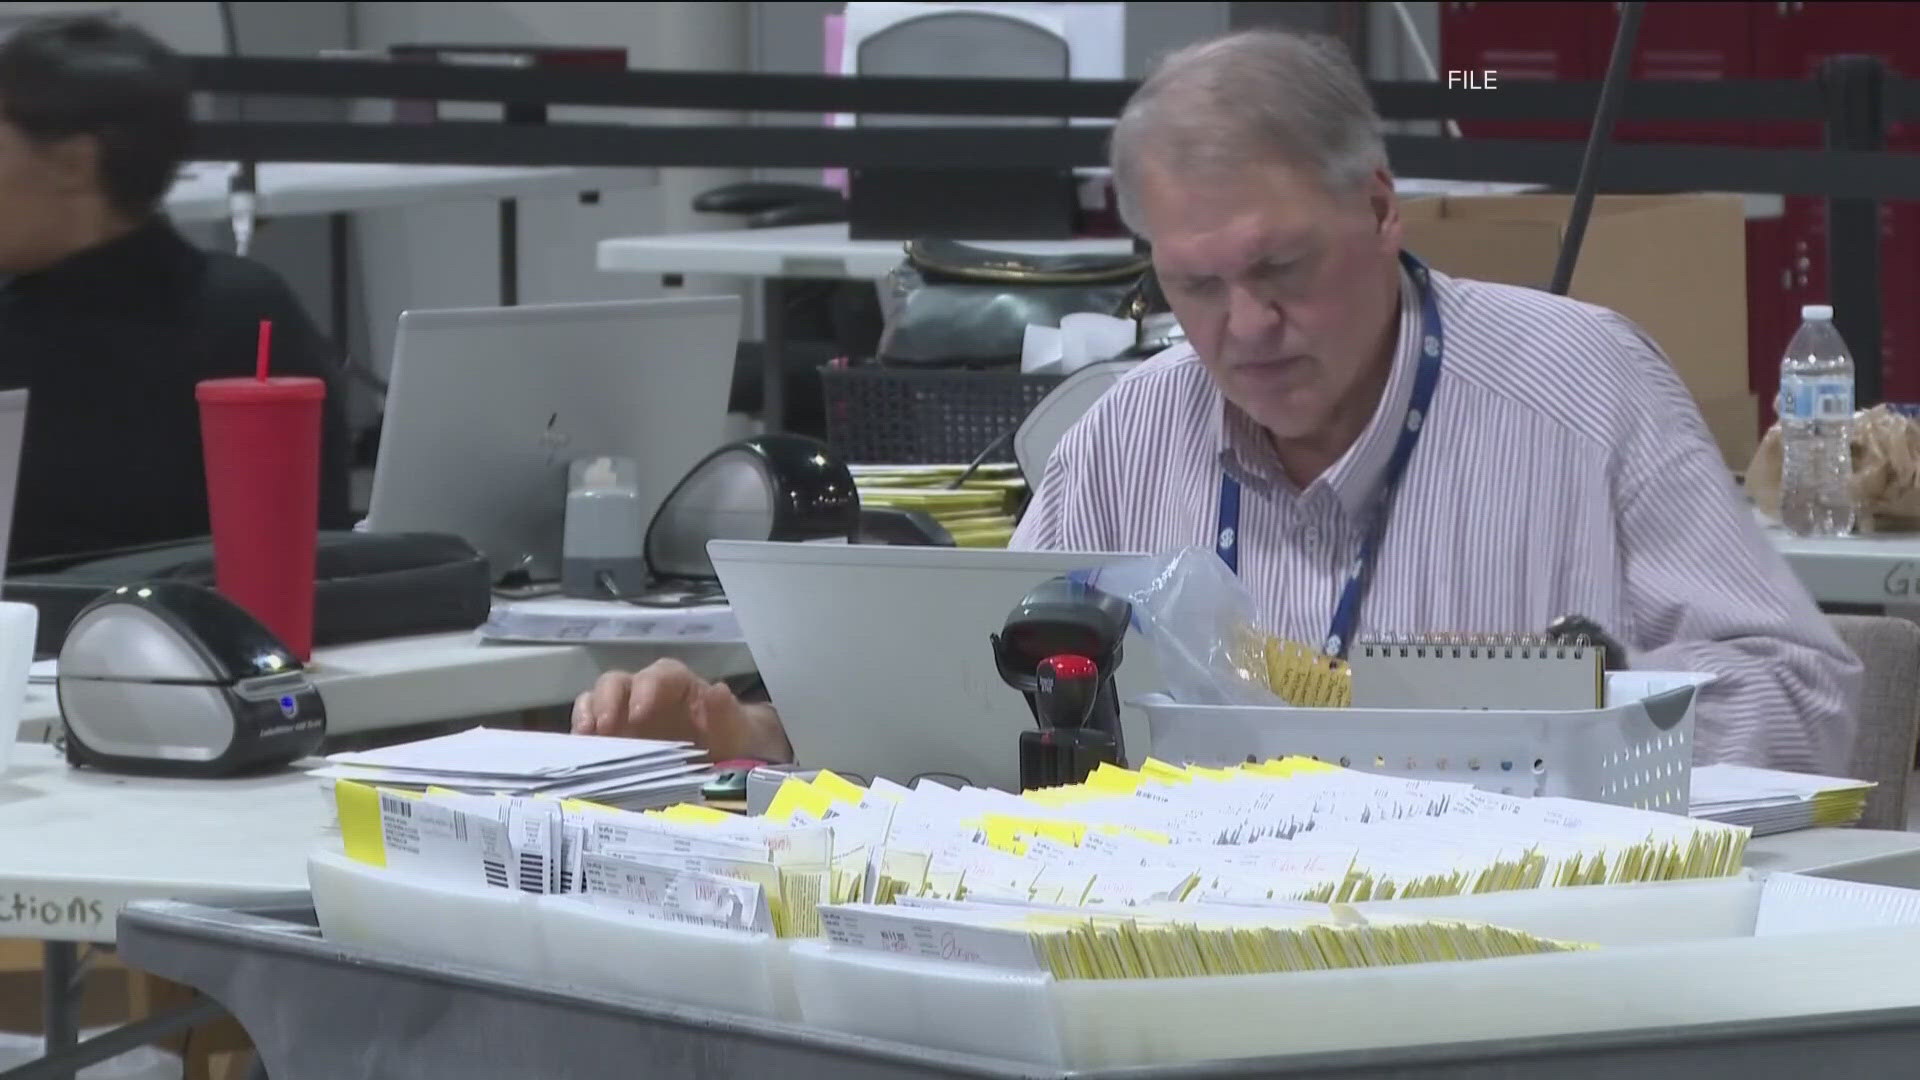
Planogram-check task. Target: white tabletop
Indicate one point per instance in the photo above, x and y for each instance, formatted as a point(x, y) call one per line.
point(800, 251)
point(826, 251)
point(1877, 570)
point(292, 189)
point(401, 682)
point(80, 844)
point(1875, 856)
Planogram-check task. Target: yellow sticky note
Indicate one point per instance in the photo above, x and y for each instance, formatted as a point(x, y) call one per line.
point(1066, 832)
point(1002, 835)
point(796, 794)
point(1155, 769)
point(838, 788)
point(1114, 780)
point(1010, 844)
point(360, 828)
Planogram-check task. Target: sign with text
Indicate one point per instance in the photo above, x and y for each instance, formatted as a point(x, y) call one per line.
point(1902, 581)
point(51, 915)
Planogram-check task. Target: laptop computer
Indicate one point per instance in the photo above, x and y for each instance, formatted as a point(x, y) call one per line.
point(13, 433)
point(879, 661)
point(487, 408)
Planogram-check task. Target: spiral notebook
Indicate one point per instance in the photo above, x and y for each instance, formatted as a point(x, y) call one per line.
point(1519, 672)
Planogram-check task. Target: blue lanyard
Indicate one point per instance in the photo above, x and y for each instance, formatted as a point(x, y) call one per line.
point(1346, 614)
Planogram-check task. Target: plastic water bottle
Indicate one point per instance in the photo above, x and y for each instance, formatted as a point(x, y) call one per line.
point(1816, 428)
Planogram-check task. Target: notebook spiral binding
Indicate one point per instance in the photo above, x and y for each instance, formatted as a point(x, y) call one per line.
point(1475, 646)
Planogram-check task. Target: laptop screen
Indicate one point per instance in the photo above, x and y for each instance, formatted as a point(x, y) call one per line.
point(13, 430)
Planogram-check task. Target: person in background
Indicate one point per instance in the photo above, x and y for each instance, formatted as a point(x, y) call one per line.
point(108, 316)
point(1377, 448)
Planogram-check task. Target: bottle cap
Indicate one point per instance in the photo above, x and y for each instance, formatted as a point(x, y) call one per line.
point(1817, 312)
point(601, 474)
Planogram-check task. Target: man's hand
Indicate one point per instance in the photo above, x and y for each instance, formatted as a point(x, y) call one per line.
point(668, 701)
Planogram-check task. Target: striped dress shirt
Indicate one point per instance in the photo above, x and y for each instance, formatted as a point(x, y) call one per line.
point(1563, 469)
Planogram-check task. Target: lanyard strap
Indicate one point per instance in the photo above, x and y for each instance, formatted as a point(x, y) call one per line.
point(1346, 613)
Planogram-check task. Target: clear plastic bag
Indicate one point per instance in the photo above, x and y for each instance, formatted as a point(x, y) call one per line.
point(1886, 470)
point(1200, 622)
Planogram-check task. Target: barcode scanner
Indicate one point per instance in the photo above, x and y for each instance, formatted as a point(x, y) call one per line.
point(1065, 750)
point(1571, 629)
point(1068, 688)
point(1061, 648)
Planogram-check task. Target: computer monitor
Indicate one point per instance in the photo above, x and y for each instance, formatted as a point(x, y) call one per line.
point(486, 409)
point(879, 661)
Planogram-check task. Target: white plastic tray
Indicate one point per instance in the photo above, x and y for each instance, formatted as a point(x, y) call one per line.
point(1638, 751)
point(319, 1010)
point(1678, 954)
point(551, 940)
point(1674, 956)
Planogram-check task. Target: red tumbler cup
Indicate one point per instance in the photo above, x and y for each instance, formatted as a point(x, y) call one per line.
point(262, 446)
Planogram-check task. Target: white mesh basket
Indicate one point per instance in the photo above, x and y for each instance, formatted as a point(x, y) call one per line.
point(1637, 751)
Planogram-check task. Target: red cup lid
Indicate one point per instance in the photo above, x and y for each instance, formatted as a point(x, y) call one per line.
point(243, 391)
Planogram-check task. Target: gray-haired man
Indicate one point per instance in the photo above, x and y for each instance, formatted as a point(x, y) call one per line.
point(1378, 448)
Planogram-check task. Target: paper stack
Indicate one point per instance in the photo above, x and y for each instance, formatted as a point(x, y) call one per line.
point(1768, 801)
point(697, 867)
point(1183, 870)
point(1191, 943)
point(687, 864)
point(979, 513)
point(633, 774)
point(560, 619)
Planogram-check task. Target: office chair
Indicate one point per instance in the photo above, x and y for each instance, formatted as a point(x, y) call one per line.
point(963, 203)
point(1063, 407)
point(825, 320)
point(1889, 713)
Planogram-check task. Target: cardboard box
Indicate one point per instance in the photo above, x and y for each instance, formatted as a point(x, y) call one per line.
point(1674, 264)
point(103, 1002)
point(1735, 424)
point(113, 995)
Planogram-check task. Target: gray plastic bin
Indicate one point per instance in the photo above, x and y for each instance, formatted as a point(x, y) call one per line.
point(320, 1012)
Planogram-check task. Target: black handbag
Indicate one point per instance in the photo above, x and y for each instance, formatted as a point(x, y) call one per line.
point(367, 586)
point(960, 306)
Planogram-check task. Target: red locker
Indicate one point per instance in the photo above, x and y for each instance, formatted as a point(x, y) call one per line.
point(1685, 41)
point(1787, 257)
point(1806, 268)
point(1791, 39)
point(1899, 291)
point(1523, 41)
point(1891, 31)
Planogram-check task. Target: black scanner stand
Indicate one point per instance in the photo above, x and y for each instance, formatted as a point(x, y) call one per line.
point(1075, 706)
